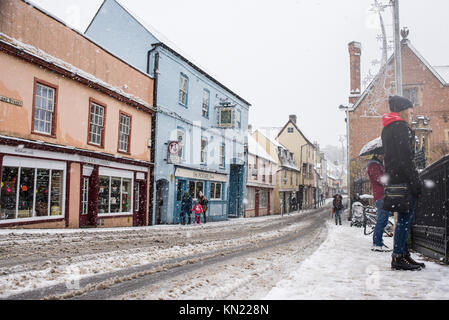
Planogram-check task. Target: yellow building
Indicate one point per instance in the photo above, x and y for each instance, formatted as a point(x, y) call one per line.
point(305, 154)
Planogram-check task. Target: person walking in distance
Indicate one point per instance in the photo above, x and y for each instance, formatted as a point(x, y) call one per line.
point(204, 203)
point(376, 171)
point(198, 210)
point(338, 208)
point(404, 186)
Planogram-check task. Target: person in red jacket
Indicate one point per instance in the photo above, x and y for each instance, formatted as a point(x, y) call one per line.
point(198, 210)
point(376, 172)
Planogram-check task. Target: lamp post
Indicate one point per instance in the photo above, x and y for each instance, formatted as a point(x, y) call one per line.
point(348, 173)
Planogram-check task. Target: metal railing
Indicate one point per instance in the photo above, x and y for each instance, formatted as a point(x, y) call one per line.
point(430, 229)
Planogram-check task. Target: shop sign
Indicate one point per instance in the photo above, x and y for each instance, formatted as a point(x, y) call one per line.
point(173, 152)
point(11, 101)
point(200, 175)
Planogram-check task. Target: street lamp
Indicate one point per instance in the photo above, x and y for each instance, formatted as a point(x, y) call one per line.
point(348, 173)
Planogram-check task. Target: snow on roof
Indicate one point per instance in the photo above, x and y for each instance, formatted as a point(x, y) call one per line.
point(443, 71)
point(165, 41)
point(271, 133)
point(256, 149)
point(38, 53)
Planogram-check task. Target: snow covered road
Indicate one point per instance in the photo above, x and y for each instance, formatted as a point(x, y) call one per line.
point(121, 263)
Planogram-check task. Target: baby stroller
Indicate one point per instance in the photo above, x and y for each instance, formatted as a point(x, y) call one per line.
point(357, 215)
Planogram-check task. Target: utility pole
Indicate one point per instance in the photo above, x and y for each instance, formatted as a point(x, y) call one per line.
point(397, 47)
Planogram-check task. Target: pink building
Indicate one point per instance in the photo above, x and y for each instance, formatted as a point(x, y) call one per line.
point(75, 127)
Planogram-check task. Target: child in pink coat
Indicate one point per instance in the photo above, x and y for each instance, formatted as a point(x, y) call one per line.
point(198, 209)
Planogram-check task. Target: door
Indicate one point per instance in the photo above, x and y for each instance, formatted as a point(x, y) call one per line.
point(161, 200)
point(235, 190)
point(256, 202)
point(181, 187)
point(89, 200)
point(140, 201)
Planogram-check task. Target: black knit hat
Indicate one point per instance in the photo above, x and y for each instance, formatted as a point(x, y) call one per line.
point(397, 103)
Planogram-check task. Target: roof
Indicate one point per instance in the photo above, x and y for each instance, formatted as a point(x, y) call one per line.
point(32, 4)
point(165, 43)
point(440, 72)
point(256, 149)
point(73, 71)
point(294, 124)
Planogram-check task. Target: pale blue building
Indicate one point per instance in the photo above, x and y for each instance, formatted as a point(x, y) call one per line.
point(201, 126)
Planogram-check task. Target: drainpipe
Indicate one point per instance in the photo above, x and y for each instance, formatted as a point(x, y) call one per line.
point(152, 206)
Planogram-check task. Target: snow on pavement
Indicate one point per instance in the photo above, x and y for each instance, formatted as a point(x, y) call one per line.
point(345, 268)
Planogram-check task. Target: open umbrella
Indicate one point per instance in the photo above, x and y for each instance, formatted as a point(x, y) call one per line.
point(372, 147)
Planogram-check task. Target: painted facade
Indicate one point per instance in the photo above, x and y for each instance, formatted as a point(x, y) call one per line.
point(201, 125)
point(305, 153)
point(261, 181)
point(74, 134)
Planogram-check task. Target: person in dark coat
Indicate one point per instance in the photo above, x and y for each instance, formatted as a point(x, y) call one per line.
point(186, 207)
point(294, 204)
point(204, 204)
point(398, 142)
point(337, 206)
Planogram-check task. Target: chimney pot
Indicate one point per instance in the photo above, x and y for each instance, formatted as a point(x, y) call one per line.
point(293, 118)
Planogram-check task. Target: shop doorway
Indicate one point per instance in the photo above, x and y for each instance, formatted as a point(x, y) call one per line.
point(161, 200)
point(181, 187)
point(89, 198)
point(139, 219)
point(235, 190)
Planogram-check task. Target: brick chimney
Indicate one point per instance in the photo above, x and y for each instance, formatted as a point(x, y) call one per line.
point(293, 118)
point(355, 52)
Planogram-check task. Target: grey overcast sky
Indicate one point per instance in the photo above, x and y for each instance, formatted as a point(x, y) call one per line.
point(285, 57)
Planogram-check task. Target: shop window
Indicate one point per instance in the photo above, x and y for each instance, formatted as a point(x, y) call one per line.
point(195, 187)
point(31, 192)
point(250, 198)
point(215, 191)
point(137, 205)
point(96, 124)
point(44, 109)
point(124, 133)
point(114, 195)
point(8, 198)
point(263, 199)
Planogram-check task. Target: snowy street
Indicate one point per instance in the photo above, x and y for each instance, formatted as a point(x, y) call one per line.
point(242, 259)
point(298, 256)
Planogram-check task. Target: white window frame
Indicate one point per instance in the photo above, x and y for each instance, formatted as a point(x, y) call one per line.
point(206, 103)
point(97, 123)
point(85, 196)
point(215, 184)
point(203, 156)
point(223, 155)
point(183, 89)
point(41, 111)
point(125, 130)
point(118, 174)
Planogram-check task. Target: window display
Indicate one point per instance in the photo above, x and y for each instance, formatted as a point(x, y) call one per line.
point(114, 195)
point(31, 192)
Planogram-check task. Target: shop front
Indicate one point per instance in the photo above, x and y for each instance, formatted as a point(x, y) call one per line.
point(258, 201)
point(211, 184)
point(55, 189)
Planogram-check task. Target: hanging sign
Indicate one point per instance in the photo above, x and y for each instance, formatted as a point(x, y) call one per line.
point(173, 152)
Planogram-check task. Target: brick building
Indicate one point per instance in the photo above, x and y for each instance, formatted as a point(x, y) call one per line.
point(426, 85)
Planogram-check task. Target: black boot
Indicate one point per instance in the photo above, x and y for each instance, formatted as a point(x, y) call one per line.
point(399, 262)
point(408, 257)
